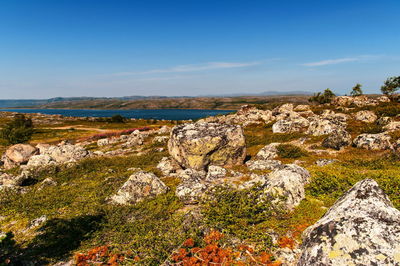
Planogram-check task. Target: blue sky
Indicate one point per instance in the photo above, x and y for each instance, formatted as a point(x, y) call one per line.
point(119, 48)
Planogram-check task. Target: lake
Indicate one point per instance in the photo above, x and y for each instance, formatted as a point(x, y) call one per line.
point(167, 114)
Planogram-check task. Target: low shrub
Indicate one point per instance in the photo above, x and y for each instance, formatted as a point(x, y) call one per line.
point(290, 151)
point(19, 130)
point(239, 212)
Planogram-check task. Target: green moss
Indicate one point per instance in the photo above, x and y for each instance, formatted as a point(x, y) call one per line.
point(290, 151)
point(240, 213)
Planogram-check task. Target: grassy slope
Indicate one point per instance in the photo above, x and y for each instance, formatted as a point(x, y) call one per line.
point(80, 217)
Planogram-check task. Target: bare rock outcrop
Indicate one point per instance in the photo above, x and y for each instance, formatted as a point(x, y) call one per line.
point(361, 228)
point(198, 145)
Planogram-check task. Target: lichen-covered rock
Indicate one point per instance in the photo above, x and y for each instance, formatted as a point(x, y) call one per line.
point(290, 124)
point(103, 142)
point(302, 108)
point(41, 160)
point(139, 186)
point(383, 99)
point(337, 140)
point(12, 180)
point(215, 172)
point(64, 153)
point(321, 127)
point(198, 145)
point(164, 130)
point(379, 141)
point(323, 162)
point(365, 116)
point(193, 186)
point(268, 152)
point(392, 126)
point(384, 120)
point(361, 228)
point(359, 101)
point(288, 182)
point(284, 108)
point(18, 154)
point(263, 164)
point(48, 182)
point(168, 166)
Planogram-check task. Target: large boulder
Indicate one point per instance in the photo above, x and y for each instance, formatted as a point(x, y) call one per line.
point(139, 186)
point(321, 127)
point(198, 145)
point(337, 140)
point(18, 154)
point(361, 228)
point(366, 116)
point(379, 141)
point(290, 124)
point(285, 185)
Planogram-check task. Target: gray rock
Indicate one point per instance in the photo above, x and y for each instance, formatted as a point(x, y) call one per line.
point(392, 126)
point(139, 186)
point(215, 172)
point(48, 182)
point(268, 152)
point(379, 141)
point(365, 116)
point(321, 127)
point(168, 166)
point(289, 183)
point(103, 142)
point(290, 124)
point(198, 145)
point(323, 162)
point(337, 140)
point(193, 186)
point(361, 228)
point(384, 120)
point(263, 164)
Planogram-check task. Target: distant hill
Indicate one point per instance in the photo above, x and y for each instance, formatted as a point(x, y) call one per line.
point(231, 101)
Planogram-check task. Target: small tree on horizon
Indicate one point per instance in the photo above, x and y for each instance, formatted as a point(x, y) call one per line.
point(19, 130)
point(390, 86)
point(321, 98)
point(356, 91)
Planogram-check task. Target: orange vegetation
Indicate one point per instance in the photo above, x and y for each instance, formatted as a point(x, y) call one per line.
point(213, 253)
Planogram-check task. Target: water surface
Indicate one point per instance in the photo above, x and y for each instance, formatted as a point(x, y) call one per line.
point(167, 114)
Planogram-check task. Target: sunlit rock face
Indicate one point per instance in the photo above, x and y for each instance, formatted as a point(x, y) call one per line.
point(198, 145)
point(361, 228)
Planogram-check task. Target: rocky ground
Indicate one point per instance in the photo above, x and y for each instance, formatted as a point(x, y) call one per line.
point(292, 185)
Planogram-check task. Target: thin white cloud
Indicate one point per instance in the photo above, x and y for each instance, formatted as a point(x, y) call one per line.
point(192, 68)
point(341, 60)
point(332, 61)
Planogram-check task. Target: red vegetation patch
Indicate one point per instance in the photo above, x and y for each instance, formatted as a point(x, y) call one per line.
point(99, 256)
point(215, 254)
